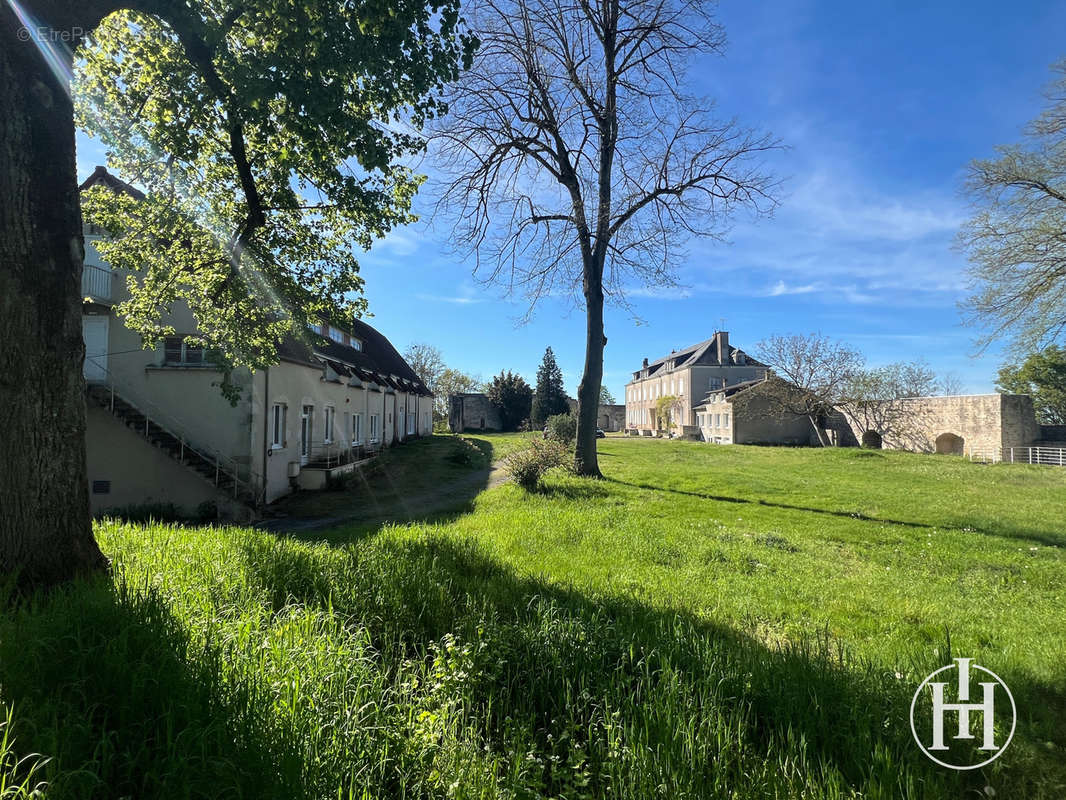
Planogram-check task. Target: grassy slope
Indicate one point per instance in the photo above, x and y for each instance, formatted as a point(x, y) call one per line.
point(406, 481)
point(659, 634)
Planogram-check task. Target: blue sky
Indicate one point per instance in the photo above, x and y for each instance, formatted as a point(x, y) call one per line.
point(881, 104)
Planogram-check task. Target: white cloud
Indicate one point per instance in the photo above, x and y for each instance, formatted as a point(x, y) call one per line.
point(781, 288)
point(457, 300)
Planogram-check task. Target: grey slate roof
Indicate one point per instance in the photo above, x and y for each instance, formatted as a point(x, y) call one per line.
point(729, 391)
point(705, 352)
point(378, 361)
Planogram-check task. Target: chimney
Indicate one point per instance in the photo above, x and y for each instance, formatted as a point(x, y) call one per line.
point(645, 364)
point(721, 343)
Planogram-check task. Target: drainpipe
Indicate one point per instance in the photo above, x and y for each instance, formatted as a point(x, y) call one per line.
point(266, 427)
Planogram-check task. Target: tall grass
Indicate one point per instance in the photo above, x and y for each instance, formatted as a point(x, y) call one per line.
point(233, 664)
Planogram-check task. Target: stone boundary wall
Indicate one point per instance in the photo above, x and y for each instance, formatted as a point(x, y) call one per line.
point(956, 424)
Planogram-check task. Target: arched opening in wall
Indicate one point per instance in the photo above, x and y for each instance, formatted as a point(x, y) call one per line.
point(949, 444)
point(605, 422)
point(871, 440)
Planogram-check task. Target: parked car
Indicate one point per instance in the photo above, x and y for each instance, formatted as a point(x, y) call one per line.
point(600, 434)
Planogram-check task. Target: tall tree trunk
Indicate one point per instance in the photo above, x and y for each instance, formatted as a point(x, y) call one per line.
point(588, 393)
point(45, 531)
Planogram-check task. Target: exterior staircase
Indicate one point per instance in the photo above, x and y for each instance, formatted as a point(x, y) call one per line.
point(221, 471)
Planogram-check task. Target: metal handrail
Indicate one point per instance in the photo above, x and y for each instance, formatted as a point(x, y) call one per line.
point(1046, 456)
point(152, 413)
point(336, 454)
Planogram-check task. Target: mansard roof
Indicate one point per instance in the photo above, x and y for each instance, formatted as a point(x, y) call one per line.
point(377, 361)
point(703, 353)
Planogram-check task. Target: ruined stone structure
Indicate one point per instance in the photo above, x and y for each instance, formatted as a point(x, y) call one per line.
point(609, 418)
point(472, 411)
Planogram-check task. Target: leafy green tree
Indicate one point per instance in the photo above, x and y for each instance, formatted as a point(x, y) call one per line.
point(512, 397)
point(549, 398)
point(1016, 239)
point(665, 409)
point(1042, 376)
point(452, 381)
point(606, 398)
point(264, 135)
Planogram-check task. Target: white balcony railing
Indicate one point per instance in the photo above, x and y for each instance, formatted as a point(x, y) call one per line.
point(95, 282)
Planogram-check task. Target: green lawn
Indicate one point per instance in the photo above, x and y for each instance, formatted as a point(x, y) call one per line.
point(707, 622)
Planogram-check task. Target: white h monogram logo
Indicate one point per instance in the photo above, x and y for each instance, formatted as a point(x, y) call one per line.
point(963, 707)
point(987, 708)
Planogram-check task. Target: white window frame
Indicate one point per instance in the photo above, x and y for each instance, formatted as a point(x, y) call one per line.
point(336, 335)
point(375, 424)
point(331, 419)
point(357, 427)
point(278, 414)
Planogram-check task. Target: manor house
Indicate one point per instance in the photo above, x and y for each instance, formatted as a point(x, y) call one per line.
point(687, 376)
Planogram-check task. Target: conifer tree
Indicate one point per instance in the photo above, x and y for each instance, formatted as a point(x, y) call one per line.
point(549, 398)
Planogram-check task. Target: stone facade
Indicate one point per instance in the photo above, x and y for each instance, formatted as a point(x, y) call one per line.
point(960, 424)
point(472, 411)
point(609, 418)
point(956, 425)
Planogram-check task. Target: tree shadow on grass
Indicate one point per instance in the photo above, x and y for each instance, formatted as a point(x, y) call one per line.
point(102, 684)
point(1042, 537)
point(668, 703)
point(603, 694)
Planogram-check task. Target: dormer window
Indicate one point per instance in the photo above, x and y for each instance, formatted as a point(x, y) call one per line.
point(337, 335)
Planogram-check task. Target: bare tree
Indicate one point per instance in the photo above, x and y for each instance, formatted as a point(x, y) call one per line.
point(1016, 238)
point(949, 383)
point(815, 374)
point(427, 362)
point(575, 161)
point(876, 401)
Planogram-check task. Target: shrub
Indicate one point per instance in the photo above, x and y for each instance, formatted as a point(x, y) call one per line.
point(562, 428)
point(528, 465)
